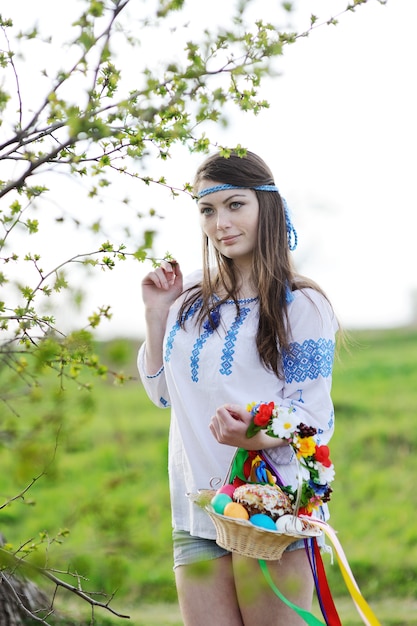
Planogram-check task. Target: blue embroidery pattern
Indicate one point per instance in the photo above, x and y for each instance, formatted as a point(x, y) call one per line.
point(229, 342)
point(230, 338)
point(195, 354)
point(170, 341)
point(300, 397)
point(158, 373)
point(213, 321)
point(175, 329)
point(310, 359)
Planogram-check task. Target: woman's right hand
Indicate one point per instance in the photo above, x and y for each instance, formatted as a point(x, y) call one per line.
point(162, 286)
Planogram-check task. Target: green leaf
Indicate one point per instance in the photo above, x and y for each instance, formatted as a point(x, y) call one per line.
point(32, 226)
point(60, 282)
point(252, 430)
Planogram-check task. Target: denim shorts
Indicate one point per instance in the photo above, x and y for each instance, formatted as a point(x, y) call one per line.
point(189, 549)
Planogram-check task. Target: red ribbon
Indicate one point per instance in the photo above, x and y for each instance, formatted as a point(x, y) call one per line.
point(328, 608)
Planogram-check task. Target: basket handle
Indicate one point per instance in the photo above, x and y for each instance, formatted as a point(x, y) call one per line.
point(215, 482)
point(299, 487)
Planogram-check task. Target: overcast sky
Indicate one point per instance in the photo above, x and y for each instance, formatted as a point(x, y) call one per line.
point(340, 137)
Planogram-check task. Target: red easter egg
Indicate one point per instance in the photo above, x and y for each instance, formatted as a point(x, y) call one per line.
point(228, 489)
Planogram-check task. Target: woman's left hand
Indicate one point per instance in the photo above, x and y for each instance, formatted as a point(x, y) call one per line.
point(229, 425)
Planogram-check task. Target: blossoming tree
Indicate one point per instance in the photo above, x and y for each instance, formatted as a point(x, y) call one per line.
point(98, 104)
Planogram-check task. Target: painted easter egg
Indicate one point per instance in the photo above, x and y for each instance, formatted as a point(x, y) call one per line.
point(263, 521)
point(236, 510)
point(289, 524)
point(228, 489)
point(220, 501)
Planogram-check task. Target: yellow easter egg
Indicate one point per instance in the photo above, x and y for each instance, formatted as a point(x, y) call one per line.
point(236, 510)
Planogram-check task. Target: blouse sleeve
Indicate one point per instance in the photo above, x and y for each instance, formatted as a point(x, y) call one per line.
point(308, 362)
point(155, 385)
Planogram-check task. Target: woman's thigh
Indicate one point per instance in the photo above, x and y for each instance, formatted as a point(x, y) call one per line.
point(257, 602)
point(216, 587)
point(204, 580)
point(207, 594)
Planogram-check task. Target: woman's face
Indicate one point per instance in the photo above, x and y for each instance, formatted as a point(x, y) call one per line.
point(230, 218)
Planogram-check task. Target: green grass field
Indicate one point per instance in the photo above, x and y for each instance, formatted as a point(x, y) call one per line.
point(106, 482)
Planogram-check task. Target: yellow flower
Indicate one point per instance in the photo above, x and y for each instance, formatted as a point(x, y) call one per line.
point(306, 446)
point(309, 508)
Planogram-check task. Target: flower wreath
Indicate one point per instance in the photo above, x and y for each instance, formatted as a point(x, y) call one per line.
point(317, 470)
point(316, 474)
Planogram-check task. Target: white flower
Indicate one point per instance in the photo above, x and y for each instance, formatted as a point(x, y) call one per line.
point(305, 472)
point(283, 426)
point(326, 474)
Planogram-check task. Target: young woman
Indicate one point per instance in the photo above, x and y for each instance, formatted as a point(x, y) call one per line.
point(246, 328)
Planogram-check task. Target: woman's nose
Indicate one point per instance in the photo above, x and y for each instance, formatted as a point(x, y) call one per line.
point(222, 220)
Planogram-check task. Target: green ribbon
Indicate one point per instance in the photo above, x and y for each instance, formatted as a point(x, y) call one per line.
point(238, 463)
point(308, 617)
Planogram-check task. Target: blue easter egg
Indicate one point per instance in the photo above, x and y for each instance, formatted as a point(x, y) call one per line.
point(219, 502)
point(263, 521)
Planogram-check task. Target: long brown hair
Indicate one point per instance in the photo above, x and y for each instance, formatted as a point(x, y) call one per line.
point(273, 272)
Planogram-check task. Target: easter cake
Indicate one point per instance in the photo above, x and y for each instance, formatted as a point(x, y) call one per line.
point(266, 499)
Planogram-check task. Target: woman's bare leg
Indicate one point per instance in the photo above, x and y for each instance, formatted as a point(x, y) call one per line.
point(207, 594)
point(258, 603)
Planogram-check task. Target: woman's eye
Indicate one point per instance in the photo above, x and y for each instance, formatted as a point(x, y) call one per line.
point(235, 205)
point(206, 210)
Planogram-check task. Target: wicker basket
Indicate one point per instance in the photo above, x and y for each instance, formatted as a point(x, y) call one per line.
point(243, 537)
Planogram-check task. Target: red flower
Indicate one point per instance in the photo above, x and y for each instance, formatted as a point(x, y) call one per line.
point(322, 455)
point(305, 510)
point(264, 414)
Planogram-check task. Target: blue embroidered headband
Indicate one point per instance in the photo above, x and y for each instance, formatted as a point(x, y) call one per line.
point(291, 232)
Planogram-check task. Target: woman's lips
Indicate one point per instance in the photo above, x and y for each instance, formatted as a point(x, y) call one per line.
point(227, 241)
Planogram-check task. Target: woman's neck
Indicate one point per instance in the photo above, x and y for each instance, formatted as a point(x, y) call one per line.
point(243, 291)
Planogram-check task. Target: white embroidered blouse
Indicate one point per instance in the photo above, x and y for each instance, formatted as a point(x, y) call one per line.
point(203, 370)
